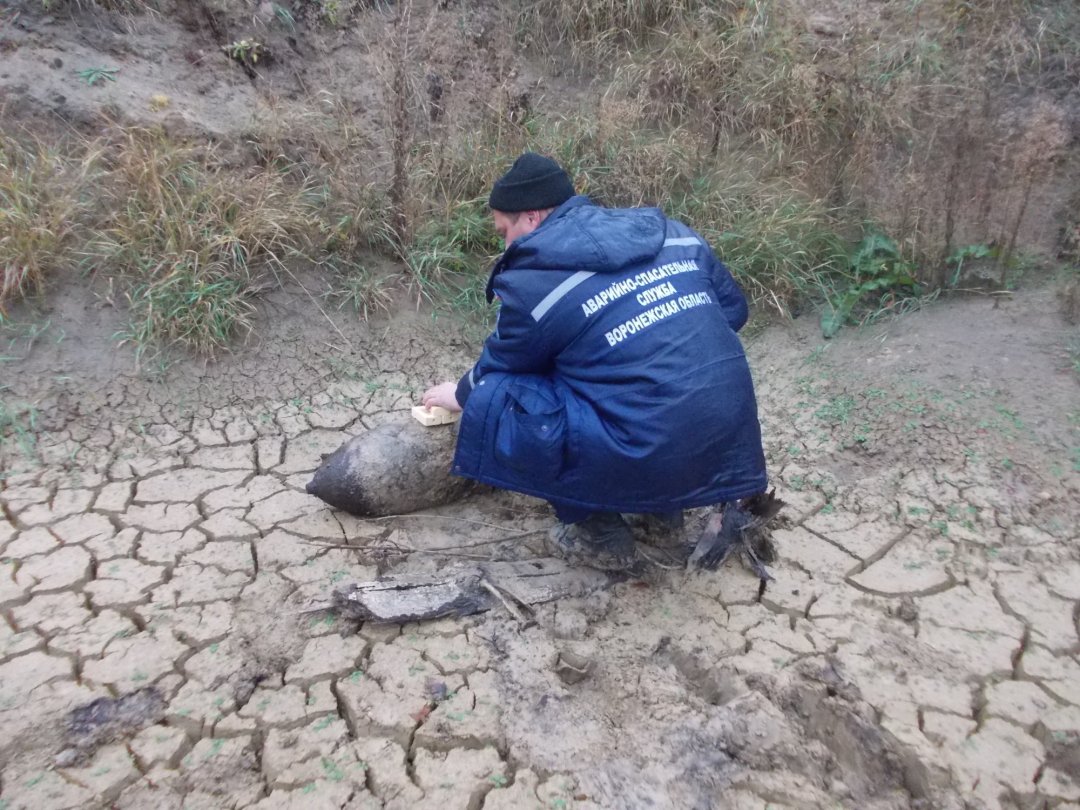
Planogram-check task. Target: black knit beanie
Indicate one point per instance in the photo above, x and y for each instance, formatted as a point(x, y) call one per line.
point(533, 183)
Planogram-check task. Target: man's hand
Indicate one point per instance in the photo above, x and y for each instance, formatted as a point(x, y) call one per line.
point(443, 395)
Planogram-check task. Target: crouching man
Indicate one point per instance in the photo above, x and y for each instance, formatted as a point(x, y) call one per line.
point(614, 381)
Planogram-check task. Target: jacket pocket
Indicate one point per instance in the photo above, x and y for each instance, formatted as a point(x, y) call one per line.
point(531, 435)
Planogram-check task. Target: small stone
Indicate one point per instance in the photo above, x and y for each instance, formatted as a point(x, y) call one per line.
point(572, 668)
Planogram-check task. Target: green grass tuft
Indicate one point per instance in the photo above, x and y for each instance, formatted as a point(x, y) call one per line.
point(192, 241)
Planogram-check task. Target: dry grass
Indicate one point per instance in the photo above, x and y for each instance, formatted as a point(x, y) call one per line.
point(766, 134)
point(780, 242)
point(41, 206)
point(595, 30)
point(191, 240)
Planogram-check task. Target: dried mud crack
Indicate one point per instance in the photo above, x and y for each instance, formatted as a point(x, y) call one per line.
point(918, 648)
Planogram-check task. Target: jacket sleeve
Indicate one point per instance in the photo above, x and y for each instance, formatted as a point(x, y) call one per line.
point(517, 346)
point(728, 294)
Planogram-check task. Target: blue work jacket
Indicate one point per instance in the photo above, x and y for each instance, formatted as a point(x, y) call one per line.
point(614, 379)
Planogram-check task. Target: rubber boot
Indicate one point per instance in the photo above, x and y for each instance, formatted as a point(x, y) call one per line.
point(603, 541)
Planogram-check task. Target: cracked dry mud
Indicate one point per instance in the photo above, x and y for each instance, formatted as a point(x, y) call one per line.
point(918, 649)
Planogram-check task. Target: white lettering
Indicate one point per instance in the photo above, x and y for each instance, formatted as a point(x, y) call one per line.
point(642, 321)
point(654, 294)
point(643, 279)
point(694, 300)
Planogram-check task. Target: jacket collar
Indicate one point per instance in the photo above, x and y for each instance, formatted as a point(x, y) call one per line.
point(511, 249)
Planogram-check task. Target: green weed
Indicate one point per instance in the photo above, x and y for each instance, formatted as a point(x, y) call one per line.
point(449, 258)
point(964, 254)
point(18, 424)
point(187, 307)
point(247, 52)
point(876, 270)
point(368, 292)
point(284, 16)
point(837, 410)
point(97, 75)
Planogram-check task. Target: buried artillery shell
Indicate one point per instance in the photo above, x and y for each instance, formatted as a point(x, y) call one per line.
point(392, 469)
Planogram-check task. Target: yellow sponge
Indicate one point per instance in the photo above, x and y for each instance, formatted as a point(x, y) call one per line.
point(435, 415)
